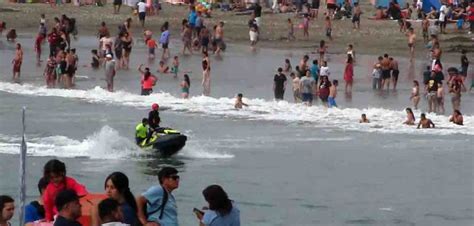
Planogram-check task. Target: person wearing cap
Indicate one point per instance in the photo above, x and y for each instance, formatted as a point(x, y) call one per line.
point(154, 116)
point(160, 203)
point(69, 208)
point(109, 72)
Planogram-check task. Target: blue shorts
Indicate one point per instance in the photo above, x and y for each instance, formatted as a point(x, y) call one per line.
point(332, 102)
point(307, 97)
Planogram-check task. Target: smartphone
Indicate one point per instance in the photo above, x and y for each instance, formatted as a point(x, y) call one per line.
point(197, 211)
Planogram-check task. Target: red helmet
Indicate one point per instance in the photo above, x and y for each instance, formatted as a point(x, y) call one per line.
point(155, 106)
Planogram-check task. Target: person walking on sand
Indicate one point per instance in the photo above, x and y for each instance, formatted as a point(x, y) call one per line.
point(306, 26)
point(415, 94)
point(17, 61)
point(411, 43)
point(356, 16)
point(349, 74)
point(142, 12)
point(206, 75)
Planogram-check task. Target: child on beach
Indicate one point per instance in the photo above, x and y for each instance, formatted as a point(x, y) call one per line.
point(376, 74)
point(95, 59)
point(151, 43)
point(291, 30)
point(164, 40)
point(239, 103)
point(328, 26)
point(163, 68)
point(333, 94)
point(175, 68)
point(55, 172)
point(306, 26)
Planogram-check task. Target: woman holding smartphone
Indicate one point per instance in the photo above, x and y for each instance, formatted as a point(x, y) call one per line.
point(221, 211)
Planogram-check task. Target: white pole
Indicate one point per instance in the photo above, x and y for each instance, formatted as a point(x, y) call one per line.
point(22, 171)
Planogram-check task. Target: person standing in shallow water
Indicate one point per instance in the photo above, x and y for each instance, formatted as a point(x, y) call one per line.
point(279, 84)
point(206, 75)
point(17, 61)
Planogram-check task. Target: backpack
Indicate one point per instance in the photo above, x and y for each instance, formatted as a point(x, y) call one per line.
point(161, 208)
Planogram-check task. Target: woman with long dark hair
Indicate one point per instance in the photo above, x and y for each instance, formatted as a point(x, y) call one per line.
point(410, 117)
point(116, 187)
point(55, 172)
point(185, 84)
point(222, 210)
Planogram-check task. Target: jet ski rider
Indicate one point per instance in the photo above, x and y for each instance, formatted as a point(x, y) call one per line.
point(154, 117)
point(142, 131)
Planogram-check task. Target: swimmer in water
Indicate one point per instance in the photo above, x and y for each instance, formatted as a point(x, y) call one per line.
point(410, 117)
point(239, 103)
point(456, 118)
point(364, 119)
point(425, 123)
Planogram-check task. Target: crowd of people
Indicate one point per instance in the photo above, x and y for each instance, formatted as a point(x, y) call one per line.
point(60, 196)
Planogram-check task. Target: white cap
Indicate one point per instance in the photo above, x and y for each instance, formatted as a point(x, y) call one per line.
point(108, 55)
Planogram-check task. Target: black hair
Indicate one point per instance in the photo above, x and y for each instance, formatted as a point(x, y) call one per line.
point(4, 199)
point(166, 172)
point(64, 197)
point(217, 199)
point(121, 183)
point(364, 115)
point(280, 69)
point(423, 115)
point(315, 61)
point(385, 55)
point(42, 184)
point(335, 82)
point(107, 207)
point(187, 80)
point(240, 95)
point(458, 112)
point(144, 120)
point(54, 166)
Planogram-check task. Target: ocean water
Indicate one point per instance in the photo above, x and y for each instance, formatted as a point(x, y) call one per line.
point(282, 163)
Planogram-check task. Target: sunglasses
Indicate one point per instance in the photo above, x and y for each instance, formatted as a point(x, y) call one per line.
point(174, 177)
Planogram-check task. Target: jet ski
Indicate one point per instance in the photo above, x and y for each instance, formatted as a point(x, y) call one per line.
point(164, 141)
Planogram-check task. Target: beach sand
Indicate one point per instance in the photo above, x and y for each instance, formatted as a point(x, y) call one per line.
point(375, 37)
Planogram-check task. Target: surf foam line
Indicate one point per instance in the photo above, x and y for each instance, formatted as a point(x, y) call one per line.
point(103, 144)
point(382, 120)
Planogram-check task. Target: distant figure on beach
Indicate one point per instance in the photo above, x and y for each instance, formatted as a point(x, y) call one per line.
point(431, 90)
point(142, 12)
point(38, 41)
point(238, 102)
point(151, 43)
point(127, 50)
point(17, 61)
point(291, 31)
point(349, 74)
point(117, 5)
point(296, 87)
point(415, 94)
point(148, 81)
point(287, 67)
point(219, 38)
point(328, 26)
point(11, 35)
point(364, 119)
point(324, 90)
point(395, 72)
point(164, 41)
point(411, 43)
point(440, 98)
point(306, 26)
point(307, 88)
point(385, 64)
point(333, 94)
point(464, 63)
point(410, 117)
point(456, 118)
point(322, 51)
point(185, 85)
point(279, 84)
point(3, 26)
point(425, 123)
point(109, 72)
point(50, 72)
point(356, 16)
point(377, 74)
point(206, 75)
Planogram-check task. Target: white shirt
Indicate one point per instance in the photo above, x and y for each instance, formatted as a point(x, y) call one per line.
point(141, 7)
point(442, 13)
point(419, 4)
point(324, 71)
